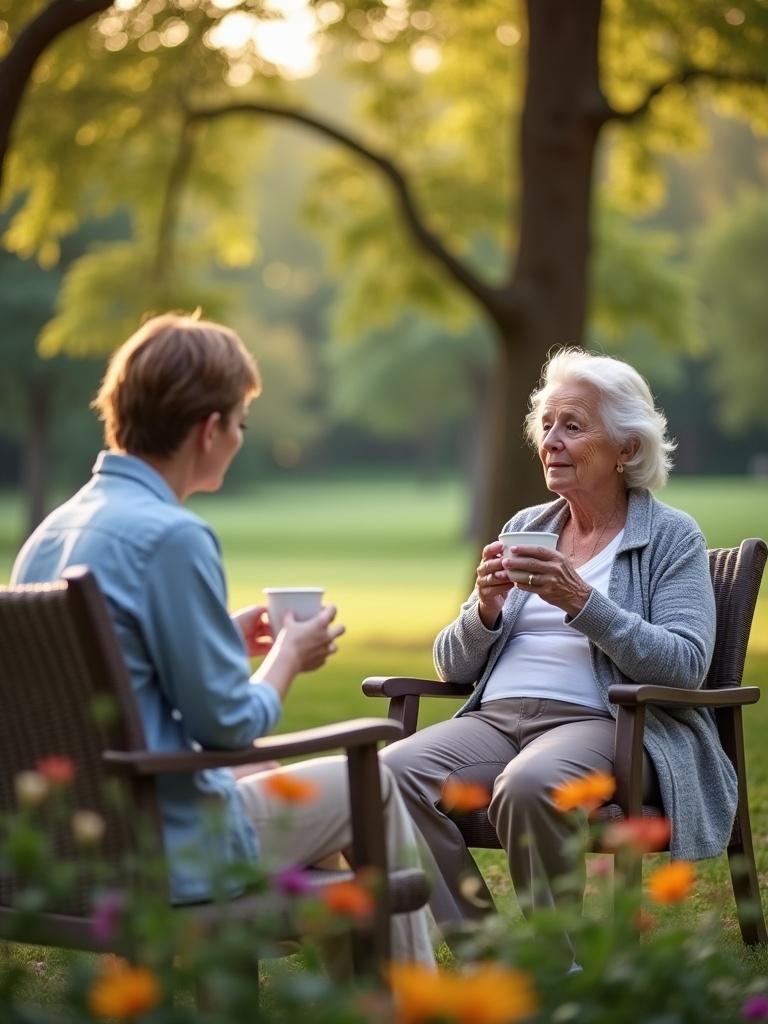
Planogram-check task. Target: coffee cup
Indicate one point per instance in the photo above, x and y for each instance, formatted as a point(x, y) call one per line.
point(304, 602)
point(525, 538)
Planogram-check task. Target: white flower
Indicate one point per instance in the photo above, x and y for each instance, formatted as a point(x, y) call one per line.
point(31, 788)
point(87, 827)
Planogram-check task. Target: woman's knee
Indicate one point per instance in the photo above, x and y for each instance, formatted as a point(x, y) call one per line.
point(520, 787)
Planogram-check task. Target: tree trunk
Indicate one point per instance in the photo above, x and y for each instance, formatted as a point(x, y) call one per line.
point(36, 449)
point(513, 477)
point(559, 131)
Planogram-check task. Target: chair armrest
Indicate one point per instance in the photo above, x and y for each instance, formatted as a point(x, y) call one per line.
point(628, 695)
point(404, 686)
point(358, 732)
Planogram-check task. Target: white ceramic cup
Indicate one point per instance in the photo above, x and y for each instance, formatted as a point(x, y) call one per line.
point(526, 538)
point(304, 602)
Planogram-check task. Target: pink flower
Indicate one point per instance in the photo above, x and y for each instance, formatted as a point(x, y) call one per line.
point(57, 768)
point(106, 915)
point(292, 881)
point(755, 1008)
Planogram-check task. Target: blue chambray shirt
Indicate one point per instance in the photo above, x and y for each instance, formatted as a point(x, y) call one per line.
point(159, 567)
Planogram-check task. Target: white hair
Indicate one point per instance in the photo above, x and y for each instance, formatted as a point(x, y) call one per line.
point(626, 406)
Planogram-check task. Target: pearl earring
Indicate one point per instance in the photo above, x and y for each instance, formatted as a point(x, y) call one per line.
point(619, 467)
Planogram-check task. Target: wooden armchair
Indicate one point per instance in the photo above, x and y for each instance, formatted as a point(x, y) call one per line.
point(736, 575)
point(65, 690)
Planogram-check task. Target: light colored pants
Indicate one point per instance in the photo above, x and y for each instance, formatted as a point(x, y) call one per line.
point(519, 748)
point(303, 834)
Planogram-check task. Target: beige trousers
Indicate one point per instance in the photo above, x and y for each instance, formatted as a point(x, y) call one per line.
point(519, 749)
point(300, 835)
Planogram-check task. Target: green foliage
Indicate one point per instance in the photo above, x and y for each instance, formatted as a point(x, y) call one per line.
point(94, 317)
point(638, 286)
point(647, 42)
point(730, 255)
point(412, 379)
point(119, 141)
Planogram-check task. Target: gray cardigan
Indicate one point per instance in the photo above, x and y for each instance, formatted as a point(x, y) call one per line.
point(656, 625)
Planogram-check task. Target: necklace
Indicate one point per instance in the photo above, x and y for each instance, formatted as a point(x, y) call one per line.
point(599, 538)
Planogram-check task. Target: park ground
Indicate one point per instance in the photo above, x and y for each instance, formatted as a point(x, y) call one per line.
point(393, 558)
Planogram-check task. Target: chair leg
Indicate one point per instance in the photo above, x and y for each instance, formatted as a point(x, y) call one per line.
point(628, 875)
point(741, 853)
point(746, 886)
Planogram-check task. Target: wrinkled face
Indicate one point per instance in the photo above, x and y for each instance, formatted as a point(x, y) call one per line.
point(577, 455)
point(226, 443)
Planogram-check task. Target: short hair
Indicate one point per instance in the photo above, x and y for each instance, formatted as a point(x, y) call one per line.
point(627, 411)
point(173, 372)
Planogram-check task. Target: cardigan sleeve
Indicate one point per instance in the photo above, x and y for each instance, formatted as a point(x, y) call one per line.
point(461, 648)
point(673, 645)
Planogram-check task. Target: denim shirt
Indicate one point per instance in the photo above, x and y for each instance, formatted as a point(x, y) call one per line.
point(159, 567)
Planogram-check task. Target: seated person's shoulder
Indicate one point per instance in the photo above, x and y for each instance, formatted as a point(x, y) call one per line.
point(673, 523)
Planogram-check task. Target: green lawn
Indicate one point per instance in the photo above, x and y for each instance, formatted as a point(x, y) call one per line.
point(392, 557)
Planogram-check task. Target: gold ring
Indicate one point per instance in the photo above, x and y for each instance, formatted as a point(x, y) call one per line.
point(530, 580)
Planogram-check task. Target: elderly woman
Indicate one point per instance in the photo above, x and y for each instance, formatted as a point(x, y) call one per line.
point(175, 402)
point(625, 597)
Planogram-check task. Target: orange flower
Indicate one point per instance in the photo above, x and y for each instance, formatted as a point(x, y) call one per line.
point(421, 995)
point(490, 994)
point(290, 788)
point(644, 835)
point(57, 768)
point(123, 991)
point(671, 883)
point(493, 994)
point(463, 797)
point(588, 792)
point(348, 899)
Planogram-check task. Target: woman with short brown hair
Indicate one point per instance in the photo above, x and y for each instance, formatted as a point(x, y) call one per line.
point(174, 403)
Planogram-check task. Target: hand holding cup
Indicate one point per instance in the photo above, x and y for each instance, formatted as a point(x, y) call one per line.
point(302, 625)
point(525, 538)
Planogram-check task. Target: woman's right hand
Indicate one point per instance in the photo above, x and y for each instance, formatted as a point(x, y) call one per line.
point(299, 647)
point(493, 584)
point(311, 642)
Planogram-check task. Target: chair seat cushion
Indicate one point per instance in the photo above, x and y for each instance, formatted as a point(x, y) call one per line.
point(480, 833)
point(612, 812)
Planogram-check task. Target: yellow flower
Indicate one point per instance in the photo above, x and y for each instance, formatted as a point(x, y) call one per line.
point(292, 790)
point(671, 883)
point(588, 792)
point(489, 994)
point(123, 991)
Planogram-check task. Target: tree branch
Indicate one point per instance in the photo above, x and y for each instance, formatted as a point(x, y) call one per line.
point(17, 66)
point(492, 298)
point(684, 77)
point(165, 256)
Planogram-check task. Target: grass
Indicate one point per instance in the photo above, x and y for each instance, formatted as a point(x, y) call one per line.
point(391, 556)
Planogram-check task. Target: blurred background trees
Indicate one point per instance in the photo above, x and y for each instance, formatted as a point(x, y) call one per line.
point(574, 173)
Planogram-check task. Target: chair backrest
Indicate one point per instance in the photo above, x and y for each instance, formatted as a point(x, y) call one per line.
point(736, 575)
point(65, 690)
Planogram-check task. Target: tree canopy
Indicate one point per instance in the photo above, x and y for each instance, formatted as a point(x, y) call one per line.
point(459, 176)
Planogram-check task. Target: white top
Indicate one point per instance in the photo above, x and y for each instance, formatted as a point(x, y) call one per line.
point(544, 657)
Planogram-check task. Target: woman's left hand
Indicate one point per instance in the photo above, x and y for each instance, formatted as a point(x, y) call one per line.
point(551, 575)
point(253, 624)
